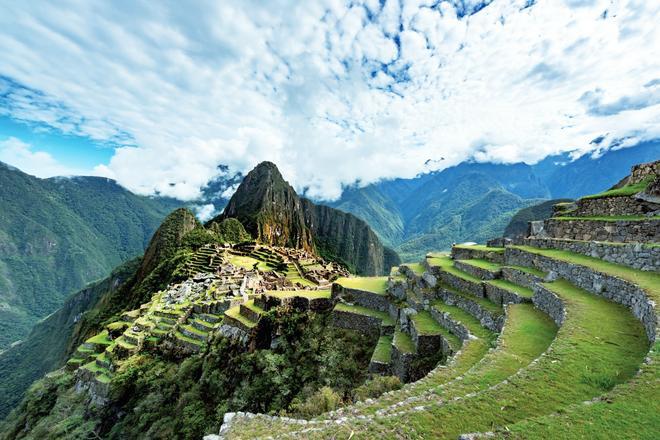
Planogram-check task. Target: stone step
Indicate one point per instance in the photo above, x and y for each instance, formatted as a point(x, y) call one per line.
point(251, 311)
point(482, 269)
point(232, 317)
point(403, 355)
point(477, 252)
point(430, 337)
point(201, 325)
point(382, 356)
point(462, 281)
point(192, 344)
point(489, 314)
point(636, 255)
point(523, 276)
point(505, 292)
point(192, 332)
point(613, 229)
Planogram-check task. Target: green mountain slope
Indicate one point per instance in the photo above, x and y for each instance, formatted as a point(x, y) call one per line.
point(58, 234)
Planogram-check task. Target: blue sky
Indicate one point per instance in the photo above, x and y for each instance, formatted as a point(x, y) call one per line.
point(156, 95)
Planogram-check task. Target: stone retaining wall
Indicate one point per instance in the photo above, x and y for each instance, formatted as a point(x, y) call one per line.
point(545, 300)
point(501, 296)
point(355, 321)
point(364, 298)
point(613, 206)
point(447, 322)
point(611, 287)
point(520, 277)
point(381, 368)
point(467, 253)
point(486, 318)
point(623, 231)
point(458, 283)
point(481, 273)
point(634, 255)
point(250, 314)
point(427, 345)
point(401, 364)
point(640, 171)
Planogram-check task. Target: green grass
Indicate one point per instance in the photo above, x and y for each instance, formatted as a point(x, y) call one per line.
point(250, 305)
point(310, 294)
point(530, 270)
point(483, 264)
point(383, 350)
point(427, 325)
point(403, 342)
point(370, 284)
point(194, 330)
point(612, 218)
point(525, 292)
point(483, 302)
point(183, 337)
point(417, 268)
point(624, 191)
point(480, 247)
point(248, 262)
point(470, 322)
point(101, 339)
point(447, 265)
point(383, 316)
point(94, 368)
point(234, 312)
point(649, 281)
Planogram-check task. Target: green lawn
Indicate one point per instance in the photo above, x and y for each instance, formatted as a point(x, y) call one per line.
point(384, 316)
point(649, 281)
point(525, 292)
point(383, 350)
point(403, 342)
point(483, 264)
point(370, 284)
point(234, 312)
point(627, 190)
point(310, 294)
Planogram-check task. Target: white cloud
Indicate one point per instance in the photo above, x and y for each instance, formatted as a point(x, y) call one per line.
point(37, 163)
point(333, 93)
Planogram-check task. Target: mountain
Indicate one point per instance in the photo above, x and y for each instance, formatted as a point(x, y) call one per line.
point(58, 234)
point(476, 201)
point(53, 340)
point(274, 214)
point(517, 227)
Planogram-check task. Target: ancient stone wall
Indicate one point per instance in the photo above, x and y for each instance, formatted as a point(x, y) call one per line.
point(364, 298)
point(468, 253)
point(608, 286)
point(635, 255)
point(641, 171)
point(454, 327)
point(481, 273)
point(520, 277)
point(463, 285)
point(354, 321)
point(401, 364)
point(624, 231)
point(487, 319)
point(545, 300)
point(612, 206)
point(502, 296)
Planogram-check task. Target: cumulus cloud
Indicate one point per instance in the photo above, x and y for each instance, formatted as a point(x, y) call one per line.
point(333, 92)
point(23, 156)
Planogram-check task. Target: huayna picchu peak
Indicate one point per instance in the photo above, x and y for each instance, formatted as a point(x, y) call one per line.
point(275, 215)
point(244, 339)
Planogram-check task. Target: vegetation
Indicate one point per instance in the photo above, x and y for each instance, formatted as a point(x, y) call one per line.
point(383, 350)
point(517, 227)
point(383, 316)
point(376, 386)
point(624, 191)
point(371, 284)
point(525, 292)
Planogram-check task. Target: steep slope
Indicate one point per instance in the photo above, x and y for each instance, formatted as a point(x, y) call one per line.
point(52, 340)
point(58, 234)
point(274, 214)
point(517, 227)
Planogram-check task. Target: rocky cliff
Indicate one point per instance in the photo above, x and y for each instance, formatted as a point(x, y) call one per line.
point(274, 214)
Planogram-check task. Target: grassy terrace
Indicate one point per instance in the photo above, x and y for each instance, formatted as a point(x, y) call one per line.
point(234, 312)
point(418, 268)
point(480, 247)
point(624, 191)
point(483, 264)
point(530, 270)
point(383, 350)
point(447, 264)
point(470, 322)
point(248, 262)
point(188, 339)
point(101, 339)
point(613, 218)
point(310, 294)
point(370, 284)
point(426, 325)
point(483, 302)
point(649, 281)
point(250, 305)
point(403, 342)
point(525, 292)
point(385, 317)
point(528, 333)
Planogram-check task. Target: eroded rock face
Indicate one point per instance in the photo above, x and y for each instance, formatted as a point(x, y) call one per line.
point(275, 215)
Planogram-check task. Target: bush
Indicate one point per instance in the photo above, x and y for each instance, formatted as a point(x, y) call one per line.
point(324, 400)
point(375, 387)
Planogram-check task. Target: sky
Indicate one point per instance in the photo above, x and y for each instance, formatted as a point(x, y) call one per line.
point(159, 95)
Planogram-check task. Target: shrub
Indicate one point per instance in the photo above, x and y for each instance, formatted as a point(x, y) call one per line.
point(324, 400)
point(375, 387)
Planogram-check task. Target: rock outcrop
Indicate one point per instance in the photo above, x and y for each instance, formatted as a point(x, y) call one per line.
point(275, 215)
